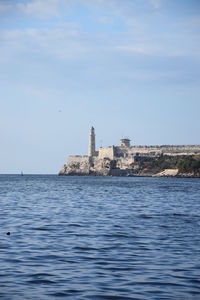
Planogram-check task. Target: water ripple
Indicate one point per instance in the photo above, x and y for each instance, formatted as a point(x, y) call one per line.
point(99, 238)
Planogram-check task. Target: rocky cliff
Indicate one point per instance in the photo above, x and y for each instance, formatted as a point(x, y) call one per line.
point(95, 167)
point(163, 166)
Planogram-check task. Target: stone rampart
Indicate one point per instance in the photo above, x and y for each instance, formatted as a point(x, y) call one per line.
point(167, 150)
point(77, 165)
point(106, 153)
point(73, 159)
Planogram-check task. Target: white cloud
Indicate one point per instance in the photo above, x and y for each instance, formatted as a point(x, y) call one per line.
point(156, 49)
point(61, 43)
point(70, 42)
point(40, 7)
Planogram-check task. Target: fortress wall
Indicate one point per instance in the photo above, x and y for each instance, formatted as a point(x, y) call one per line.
point(181, 149)
point(145, 148)
point(106, 153)
point(146, 151)
point(167, 149)
point(77, 165)
point(180, 153)
point(171, 147)
point(121, 151)
point(74, 159)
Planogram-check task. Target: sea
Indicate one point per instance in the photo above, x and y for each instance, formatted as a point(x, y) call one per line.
point(99, 238)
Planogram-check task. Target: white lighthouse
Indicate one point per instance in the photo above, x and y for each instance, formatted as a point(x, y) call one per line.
point(92, 150)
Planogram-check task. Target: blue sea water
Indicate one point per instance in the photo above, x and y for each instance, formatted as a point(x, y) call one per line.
point(99, 238)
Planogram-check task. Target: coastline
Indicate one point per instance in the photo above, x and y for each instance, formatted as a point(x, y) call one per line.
point(179, 176)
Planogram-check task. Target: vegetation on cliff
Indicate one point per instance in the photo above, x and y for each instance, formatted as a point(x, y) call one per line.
point(184, 164)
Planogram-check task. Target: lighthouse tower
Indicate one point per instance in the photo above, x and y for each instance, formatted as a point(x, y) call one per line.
point(92, 150)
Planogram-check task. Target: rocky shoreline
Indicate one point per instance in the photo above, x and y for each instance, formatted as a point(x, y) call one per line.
point(129, 175)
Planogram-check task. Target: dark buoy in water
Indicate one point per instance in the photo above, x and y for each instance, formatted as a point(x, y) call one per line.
point(8, 233)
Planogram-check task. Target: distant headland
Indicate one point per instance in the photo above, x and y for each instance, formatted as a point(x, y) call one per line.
point(127, 160)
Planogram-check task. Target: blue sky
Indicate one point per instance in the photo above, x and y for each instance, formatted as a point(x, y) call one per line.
point(127, 67)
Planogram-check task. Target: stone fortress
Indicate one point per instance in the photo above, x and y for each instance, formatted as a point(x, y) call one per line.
point(120, 160)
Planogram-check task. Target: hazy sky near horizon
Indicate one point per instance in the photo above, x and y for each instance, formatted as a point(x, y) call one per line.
point(127, 67)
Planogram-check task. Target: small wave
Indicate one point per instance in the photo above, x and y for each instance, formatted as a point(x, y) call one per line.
point(74, 225)
point(177, 214)
point(42, 228)
point(79, 248)
point(58, 294)
point(41, 281)
point(145, 216)
point(64, 294)
point(110, 297)
point(40, 275)
point(13, 260)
